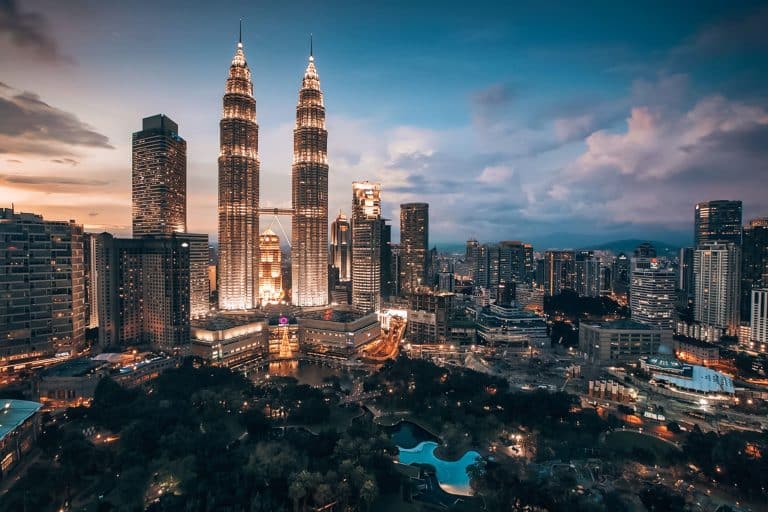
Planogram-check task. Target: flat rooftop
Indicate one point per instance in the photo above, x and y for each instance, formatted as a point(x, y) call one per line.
point(15, 412)
point(334, 315)
point(625, 324)
point(226, 321)
point(73, 368)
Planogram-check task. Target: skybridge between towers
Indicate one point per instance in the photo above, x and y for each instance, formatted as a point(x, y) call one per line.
point(276, 214)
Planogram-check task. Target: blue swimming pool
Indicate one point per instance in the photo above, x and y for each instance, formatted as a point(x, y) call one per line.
point(452, 476)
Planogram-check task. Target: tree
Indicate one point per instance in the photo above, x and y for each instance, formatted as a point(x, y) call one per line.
point(368, 493)
point(296, 492)
point(322, 494)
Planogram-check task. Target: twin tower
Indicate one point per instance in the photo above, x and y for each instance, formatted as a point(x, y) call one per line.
point(239, 193)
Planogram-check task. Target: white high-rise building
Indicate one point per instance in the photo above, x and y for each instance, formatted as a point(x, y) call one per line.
point(758, 325)
point(717, 278)
point(652, 296)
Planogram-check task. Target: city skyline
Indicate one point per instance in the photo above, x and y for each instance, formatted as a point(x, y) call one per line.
point(515, 159)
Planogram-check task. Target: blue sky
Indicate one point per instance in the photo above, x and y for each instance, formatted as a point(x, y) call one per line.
point(562, 125)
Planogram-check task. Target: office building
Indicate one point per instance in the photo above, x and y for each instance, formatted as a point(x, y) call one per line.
point(758, 324)
point(685, 273)
point(717, 276)
point(621, 340)
point(429, 315)
point(515, 262)
point(42, 290)
point(644, 257)
point(270, 268)
point(652, 296)
point(717, 221)
point(238, 277)
point(309, 248)
point(510, 329)
point(387, 277)
point(341, 247)
point(366, 246)
point(559, 271)
point(199, 281)
point(159, 178)
point(754, 262)
point(90, 281)
point(620, 276)
point(143, 291)
point(587, 274)
point(414, 244)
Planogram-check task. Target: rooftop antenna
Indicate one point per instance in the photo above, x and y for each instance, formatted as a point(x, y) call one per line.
point(311, 47)
point(240, 38)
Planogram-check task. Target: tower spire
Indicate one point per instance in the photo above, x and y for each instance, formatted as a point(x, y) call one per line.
point(240, 37)
point(311, 47)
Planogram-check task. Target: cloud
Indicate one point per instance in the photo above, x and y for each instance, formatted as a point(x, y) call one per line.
point(744, 32)
point(666, 160)
point(491, 106)
point(30, 125)
point(65, 161)
point(49, 184)
point(29, 30)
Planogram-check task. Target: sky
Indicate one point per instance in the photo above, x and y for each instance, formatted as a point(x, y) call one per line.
point(563, 125)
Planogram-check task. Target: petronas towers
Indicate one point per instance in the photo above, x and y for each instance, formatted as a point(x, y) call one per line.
point(310, 195)
point(239, 193)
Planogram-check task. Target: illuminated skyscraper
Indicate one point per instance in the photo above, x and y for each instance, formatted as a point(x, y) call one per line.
point(341, 247)
point(717, 278)
point(414, 243)
point(366, 246)
point(754, 262)
point(309, 251)
point(559, 271)
point(652, 296)
point(270, 273)
point(159, 178)
point(717, 221)
point(239, 191)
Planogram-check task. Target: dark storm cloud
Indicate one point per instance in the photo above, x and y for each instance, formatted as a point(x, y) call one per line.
point(30, 125)
point(28, 30)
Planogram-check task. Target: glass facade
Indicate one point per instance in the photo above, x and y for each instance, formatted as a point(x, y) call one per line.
point(239, 191)
point(309, 256)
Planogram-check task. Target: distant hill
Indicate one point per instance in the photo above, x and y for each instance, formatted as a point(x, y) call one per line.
point(628, 246)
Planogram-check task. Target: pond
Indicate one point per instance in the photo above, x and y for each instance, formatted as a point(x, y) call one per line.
point(451, 475)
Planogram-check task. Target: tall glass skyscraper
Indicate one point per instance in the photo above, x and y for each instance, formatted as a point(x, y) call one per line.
point(159, 190)
point(341, 247)
point(366, 246)
point(414, 244)
point(239, 191)
point(717, 221)
point(309, 255)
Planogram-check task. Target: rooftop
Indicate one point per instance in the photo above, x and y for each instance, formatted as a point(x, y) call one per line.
point(626, 324)
point(227, 321)
point(14, 413)
point(73, 368)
